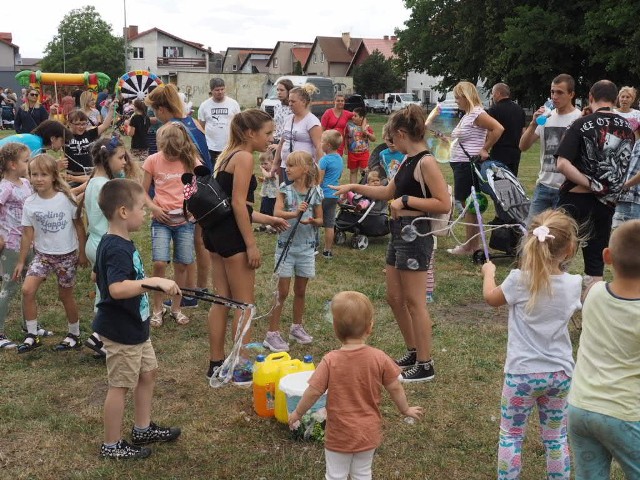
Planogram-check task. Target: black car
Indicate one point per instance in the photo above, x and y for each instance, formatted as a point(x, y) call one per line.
point(375, 106)
point(353, 101)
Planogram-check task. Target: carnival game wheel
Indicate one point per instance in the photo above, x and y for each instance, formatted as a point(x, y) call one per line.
point(137, 84)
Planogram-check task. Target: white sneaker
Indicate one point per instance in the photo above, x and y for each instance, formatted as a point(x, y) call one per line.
point(274, 342)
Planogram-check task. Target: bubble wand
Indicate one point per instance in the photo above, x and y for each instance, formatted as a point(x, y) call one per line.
point(476, 206)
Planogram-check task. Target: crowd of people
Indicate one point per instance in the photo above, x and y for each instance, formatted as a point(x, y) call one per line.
point(587, 184)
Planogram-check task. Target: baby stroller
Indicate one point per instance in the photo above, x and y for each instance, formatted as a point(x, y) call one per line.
point(8, 116)
point(363, 220)
point(511, 204)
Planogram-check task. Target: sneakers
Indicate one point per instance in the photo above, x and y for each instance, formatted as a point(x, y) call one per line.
point(408, 359)
point(123, 451)
point(5, 343)
point(274, 342)
point(299, 334)
point(214, 366)
point(429, 297)
point(42, 332)
point(70, 342)
point(96, 345)
point(420, 372)
point(327, 254)
point(185, 302)
point(154, 434)
point(243, 373)
point(460, 250)
point(31, 342)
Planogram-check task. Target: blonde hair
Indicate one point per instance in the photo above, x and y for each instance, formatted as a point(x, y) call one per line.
point(469, 91)
point(540, 258)
point(352, 315)
point(265, 157)
point(305, 92)
point(25, 105)
point(166, 95)
point(304, 159)
point(174, 141)
point(631, 91)
point(251, 120)
point(10, 153)
point(333, 138)
point(373, 175)
point(47, 164)
point(85, 97)
point(625, 254)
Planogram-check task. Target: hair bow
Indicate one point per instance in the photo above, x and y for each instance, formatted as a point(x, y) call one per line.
point(542, 232)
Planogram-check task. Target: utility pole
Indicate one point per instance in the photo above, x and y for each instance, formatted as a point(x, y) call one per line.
point(126, 35)
point(64, 56)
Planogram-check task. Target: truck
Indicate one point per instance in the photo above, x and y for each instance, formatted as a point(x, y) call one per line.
point(398, 101)
point(320, 101)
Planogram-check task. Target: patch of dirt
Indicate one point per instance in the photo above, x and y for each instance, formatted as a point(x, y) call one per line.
point(471, 313)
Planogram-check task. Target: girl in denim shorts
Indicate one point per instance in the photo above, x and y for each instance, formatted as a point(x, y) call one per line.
point(177, 155)
point(51, 222)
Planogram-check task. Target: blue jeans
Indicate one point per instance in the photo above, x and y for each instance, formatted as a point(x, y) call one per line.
point(595, 439)
point(544, 197)
point(625, 211)
point(182, 237)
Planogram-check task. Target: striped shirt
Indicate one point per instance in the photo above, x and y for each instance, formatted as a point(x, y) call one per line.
point(468, 134)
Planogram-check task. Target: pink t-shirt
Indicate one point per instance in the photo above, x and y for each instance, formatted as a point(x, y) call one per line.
point(12, 199)
point(167, 180)
point(354, 380)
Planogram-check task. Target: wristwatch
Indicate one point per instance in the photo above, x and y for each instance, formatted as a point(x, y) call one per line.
point(405, 201)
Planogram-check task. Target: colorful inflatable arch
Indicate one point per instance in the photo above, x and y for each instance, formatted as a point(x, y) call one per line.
point(92, 81)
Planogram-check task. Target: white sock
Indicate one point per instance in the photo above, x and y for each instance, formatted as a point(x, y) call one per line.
point(75, 328)
point(32, 326)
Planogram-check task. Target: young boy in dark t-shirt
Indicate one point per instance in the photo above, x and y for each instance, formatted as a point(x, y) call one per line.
point(122, 320)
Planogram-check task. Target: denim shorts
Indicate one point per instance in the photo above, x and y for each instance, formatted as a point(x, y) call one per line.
point(544, 198)
point(329, 212)
point(625, 211)
point(413, 255)
point(299, 264)
point(182, 236)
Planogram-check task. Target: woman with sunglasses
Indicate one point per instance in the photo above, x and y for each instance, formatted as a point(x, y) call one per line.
point(31, 113)
point(88, 106)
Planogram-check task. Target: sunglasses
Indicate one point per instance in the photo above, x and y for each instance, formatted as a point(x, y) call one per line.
point(33, 94)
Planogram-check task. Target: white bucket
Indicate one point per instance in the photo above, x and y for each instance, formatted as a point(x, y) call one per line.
point(294, 386)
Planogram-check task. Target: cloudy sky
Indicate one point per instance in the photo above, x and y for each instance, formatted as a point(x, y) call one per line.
point(222, 23)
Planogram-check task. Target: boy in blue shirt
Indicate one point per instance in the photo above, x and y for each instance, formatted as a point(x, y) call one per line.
point(329, 172)
point(122, 320)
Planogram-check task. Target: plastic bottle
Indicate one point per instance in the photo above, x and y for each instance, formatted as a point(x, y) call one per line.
point(548, 109)
point(286, 368)
point(307, 364)
point(265, 377)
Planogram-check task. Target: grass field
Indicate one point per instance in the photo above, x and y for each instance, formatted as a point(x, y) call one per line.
point(51, 403)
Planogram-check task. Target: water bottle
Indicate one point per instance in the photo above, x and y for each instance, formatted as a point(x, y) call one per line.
point(548, 108)
point(307, 363)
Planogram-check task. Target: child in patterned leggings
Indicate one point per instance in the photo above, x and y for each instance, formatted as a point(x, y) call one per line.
point(539, 365)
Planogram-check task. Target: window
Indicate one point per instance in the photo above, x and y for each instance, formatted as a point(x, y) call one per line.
point(138, 52)
point(322, 57)
point(234, 68)
point(315, 58)
point(172, 52)
point(275, 62)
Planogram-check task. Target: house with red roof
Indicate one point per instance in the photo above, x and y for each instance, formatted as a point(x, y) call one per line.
point(331, 56)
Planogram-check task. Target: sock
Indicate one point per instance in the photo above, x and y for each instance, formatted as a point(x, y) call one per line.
point(138, 429)
point(32, 326)
point(75, 328)
point(111, 445)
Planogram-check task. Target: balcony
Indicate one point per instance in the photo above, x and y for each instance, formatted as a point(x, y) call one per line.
point(182, 62)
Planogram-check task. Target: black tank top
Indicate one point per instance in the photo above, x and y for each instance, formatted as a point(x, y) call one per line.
point(225, 179)
point(405, 183)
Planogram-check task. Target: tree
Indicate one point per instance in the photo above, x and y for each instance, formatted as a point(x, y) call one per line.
point(89, 46)
point(376, 75)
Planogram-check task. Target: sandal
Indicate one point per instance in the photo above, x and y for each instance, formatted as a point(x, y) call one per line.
point(179, 317)
point(30, 342)
point(70, 342)
point(157, 318)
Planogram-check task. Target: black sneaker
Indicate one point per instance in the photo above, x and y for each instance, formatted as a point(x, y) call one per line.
point(327, 254)
point(154, 434)
point(408, 359)
point(420, 372)
point(70, 342)
point(31, 342)
point(213, 368)
point(123, 451)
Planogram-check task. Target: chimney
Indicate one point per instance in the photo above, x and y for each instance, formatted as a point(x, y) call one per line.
point(346, 39)
point(394, 38)
point(130, 31)
point(6, 36)
point(386, 37)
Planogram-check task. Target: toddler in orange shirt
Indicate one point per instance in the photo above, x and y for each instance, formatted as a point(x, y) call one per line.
point(353, 377)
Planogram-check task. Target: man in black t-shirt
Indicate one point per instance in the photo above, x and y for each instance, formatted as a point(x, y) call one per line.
point(511, 116)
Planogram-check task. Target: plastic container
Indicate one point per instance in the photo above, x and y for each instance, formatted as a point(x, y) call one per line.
point(286, 368)
point(548, 109)
point(265, 378)
point(293, 387)
point(307, 364)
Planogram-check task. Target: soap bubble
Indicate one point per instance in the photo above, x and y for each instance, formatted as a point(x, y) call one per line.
point(412, 264)
point(409, 233)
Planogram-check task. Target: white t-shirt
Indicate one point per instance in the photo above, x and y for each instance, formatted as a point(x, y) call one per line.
point(297, 137)
point(607, 377)
point(217, 117)
point(52, 222)
point(550, 135)
point(538, 341)
point(632, 116)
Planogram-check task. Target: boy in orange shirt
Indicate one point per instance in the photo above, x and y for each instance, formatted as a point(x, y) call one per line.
point(353, 377)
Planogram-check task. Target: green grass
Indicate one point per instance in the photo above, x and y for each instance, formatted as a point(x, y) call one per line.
point(51, 403)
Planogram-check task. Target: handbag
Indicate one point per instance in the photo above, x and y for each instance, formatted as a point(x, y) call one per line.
point(204, 198)
point(439, 221)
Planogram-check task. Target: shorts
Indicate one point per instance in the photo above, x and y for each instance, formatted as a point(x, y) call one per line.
point(463, 179)
point(182, 237)
point(414, 255)
point(625, 211)
point(64, 266)
point(125, 363)
point(357, 160)
point(225, 238)
point(329, 212)
point(267, 205)
point(299, 264)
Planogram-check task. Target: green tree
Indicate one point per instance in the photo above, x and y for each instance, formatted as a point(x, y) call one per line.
point(89, 46)
point(376, 75)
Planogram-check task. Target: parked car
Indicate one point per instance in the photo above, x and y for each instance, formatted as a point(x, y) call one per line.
point(354, 101)
point(320, 101)
point(397, 101)
point(374, 105)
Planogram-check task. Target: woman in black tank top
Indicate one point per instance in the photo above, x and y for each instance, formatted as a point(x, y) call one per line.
point(407, 262)
point(234, 251)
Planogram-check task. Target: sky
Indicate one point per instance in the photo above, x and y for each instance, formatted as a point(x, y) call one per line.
point(223, 23)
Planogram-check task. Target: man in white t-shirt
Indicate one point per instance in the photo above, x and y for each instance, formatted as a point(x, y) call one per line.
point(547, 188)
point(215, 115)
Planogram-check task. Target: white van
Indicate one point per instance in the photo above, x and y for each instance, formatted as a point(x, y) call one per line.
point(398, 101)
point(320, 102)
